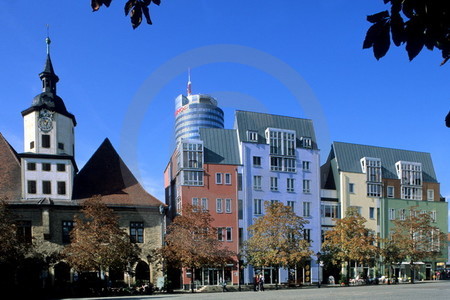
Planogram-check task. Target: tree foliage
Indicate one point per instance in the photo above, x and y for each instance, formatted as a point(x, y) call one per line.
point(12, 249)
point(350, 240)
point(134, 8)
point(97, 241)
point(277, 239)
point(192, 242)
point(416, 23)
point(416, 238)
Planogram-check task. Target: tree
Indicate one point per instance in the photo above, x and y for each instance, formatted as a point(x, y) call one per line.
point(416, 23)
point(350, 241)
point(136, 8)
point(417, 238)
point(391, 255)
point(277, 239)
point(97, 241)
point(191, 242)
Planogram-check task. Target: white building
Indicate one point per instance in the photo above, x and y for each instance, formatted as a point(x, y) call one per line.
point(280, 162)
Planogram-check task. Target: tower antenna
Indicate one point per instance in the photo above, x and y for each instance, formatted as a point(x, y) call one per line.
point(189, 85)
point(47, 40)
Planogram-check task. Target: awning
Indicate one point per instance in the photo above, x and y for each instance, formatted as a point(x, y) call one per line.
point(416, 263)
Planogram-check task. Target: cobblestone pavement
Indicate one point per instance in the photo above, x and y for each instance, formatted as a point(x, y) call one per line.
point(421, 290)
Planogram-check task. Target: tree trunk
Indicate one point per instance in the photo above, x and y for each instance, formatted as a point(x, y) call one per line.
point(192, 280)
point(348, 274)
point(412, 272)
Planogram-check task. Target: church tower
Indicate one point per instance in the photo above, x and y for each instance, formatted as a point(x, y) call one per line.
point(48, 162)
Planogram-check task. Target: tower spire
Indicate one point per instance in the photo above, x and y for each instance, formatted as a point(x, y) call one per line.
point(189, 84)
point(48, 76)
point(48, 41)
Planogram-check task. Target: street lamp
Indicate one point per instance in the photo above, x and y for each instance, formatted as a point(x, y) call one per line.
point(239, 271)
point(318, 254)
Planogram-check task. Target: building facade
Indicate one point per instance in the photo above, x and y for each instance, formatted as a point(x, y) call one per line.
point(382, 184)
point(280, 162)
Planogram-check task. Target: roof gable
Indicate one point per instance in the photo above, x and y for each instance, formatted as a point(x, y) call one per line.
point(107, 175)
point(348, 158)
point(259, 122)
point(10, 172)
point(220, 145)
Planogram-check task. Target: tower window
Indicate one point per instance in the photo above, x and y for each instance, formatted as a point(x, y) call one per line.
point(32, 145)
point(46, 167)
point(61, 146)
point(46, 187)
point(61, 187)
point(61, 167)
point(45, 141)
point(31, 186)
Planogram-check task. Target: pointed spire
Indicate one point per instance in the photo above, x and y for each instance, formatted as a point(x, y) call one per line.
point(48, 76)
point(189, 85)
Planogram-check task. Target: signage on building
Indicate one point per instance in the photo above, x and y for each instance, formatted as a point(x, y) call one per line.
point(181, 109)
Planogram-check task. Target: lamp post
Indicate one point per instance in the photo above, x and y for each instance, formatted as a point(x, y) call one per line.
point(239, 271)
point(318, 254)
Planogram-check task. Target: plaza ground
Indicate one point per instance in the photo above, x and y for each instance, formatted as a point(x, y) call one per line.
point(421, 290)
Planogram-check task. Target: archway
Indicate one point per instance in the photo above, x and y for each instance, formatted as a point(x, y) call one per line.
point(142, 272)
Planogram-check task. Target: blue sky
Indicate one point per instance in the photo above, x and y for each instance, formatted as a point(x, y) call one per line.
point(109, 72)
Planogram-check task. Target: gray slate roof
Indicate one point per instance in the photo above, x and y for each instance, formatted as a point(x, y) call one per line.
point(253, 121)
point(348, 159)
point(221, 146)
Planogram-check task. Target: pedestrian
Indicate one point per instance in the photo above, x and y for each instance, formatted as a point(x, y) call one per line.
point(224, 286)
point(261, 282)
point(255, 282)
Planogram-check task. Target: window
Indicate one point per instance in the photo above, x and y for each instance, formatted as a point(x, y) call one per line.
point(61, 167)
point(413, 193)
point(67, 227)
point(256, 161)
point(307, 209)
point(45, 141)
point(32, 145)
point(195, 202)
point(61, 187)
point(351, 188)
point(46, 187)
point(402, 214)
point(228, 206)
point(227, 178)
point(31, 186)
point(24, 231)
point(274, 184)
point(192, 155)
point(430, 195)
point(373, 190)
point(239, 182)
point(219, 208)
point(257, 183)
point(137, 232)
point(306, 142)
point(252, 136)
point(274, 201)
point(372, 212)
point(391, 213)
point(46, 167)
point(290, 185)
point(390, 191)
point(291, 204)
point(192, 177)
point(276, 164)
point(31, 166)
point(220, 233)
point(61, 146)
point(282, 149)
point(306, 165)
point(372, 167)
point(306, 186)
point(229, 237)
point(329, 211)
point(410, 175)
point(240, 209)
point(257, 206)
point(307, 235)
point(219, 178)
point(205, 203)
point(433, 216)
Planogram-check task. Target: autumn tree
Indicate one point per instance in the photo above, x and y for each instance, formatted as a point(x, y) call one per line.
point(417, 238)
point(97, 241)
point(134, 8)
point(350, 241)
point(277, 238)
point(191, 242)
point(391, 255)
point(417, 24)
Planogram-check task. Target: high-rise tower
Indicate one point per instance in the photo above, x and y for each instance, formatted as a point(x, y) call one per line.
point(193, 112)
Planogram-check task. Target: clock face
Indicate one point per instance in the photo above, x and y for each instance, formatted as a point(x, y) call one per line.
point(45, 124)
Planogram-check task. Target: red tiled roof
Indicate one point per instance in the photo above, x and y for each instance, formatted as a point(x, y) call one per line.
point(10, 173)
point(107, 175)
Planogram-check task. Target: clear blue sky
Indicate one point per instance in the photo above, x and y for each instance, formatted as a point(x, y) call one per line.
point(103, 64)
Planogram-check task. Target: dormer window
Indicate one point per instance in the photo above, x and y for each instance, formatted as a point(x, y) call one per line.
point(252, 136)
point(372, 168)
point(306, 142)
point(410, 175)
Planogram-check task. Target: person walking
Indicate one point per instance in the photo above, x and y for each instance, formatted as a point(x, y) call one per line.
point(224, 286)
point(255, 282)
point(261, 282)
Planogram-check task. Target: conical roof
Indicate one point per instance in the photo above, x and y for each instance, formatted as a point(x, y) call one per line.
point(107, 175)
